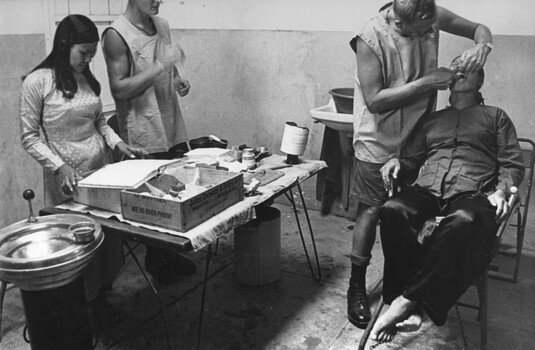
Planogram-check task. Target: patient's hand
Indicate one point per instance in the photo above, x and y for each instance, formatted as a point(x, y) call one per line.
point(498, 200)
point(392, 167)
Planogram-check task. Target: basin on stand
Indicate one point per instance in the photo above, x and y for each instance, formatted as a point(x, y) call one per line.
point(343, 123)
point(44, 257)
point(338, 121)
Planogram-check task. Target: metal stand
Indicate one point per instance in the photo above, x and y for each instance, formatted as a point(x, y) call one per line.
point(154, 289)
point(58, 318)
point(203, 298)
point(292, 201)
point(157, 293)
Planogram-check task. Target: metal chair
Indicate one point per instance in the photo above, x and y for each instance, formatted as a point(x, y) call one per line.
point(481, 283)
point(528, 152)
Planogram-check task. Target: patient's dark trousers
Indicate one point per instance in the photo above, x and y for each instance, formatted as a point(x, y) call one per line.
point(436, 272)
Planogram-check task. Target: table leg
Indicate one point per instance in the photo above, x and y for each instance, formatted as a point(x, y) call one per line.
point(203, 298)
point(154, 289)
point(292, 201)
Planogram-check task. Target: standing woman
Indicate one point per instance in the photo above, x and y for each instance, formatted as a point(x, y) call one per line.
point(64, 129)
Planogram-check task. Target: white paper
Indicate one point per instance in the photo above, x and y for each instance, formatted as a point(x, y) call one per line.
point(209, 152)
point(126, 174)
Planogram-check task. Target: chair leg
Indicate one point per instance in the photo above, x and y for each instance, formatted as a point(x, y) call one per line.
point(3, 286)
point(375, 316)
point(483, 305)
point(519, 246)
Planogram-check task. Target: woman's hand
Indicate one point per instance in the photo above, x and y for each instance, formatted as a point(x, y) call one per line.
point(131, 152)
point(182, 86)
point(68, 178)
point(474, 58)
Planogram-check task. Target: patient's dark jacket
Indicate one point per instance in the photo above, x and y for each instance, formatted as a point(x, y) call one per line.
point(473, 149)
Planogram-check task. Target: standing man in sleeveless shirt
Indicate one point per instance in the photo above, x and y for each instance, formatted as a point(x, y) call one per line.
point(396, 83)
point(144, 83)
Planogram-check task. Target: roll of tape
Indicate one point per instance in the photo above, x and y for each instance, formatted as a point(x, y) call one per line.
point(294, 139)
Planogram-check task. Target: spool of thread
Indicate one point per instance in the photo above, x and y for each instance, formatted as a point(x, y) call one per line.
point(294, 141)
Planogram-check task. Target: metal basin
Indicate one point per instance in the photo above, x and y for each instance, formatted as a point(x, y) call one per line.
point(47, 253)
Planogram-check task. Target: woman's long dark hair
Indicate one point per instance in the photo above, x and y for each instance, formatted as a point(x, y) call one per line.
point(73, 29)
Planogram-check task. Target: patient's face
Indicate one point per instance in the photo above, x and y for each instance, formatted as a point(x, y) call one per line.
point(464, 81)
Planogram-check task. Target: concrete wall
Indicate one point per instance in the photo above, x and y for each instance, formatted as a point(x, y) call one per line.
point(18, 171)
point(255, 64)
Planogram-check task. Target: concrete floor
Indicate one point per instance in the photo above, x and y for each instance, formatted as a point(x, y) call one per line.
point(295, 312)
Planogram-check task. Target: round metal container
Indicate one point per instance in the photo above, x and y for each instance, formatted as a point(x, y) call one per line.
point(45, 254)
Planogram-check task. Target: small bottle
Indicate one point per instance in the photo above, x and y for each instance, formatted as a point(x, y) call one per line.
point(247, 158)
point(236, 154)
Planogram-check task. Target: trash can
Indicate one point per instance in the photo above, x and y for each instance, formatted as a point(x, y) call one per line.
point(257, 246)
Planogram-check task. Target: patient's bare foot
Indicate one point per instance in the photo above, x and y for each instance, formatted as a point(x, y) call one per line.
point(411, 323)
point(385, 329)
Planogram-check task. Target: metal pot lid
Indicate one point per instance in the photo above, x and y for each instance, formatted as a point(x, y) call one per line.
point(46, 243)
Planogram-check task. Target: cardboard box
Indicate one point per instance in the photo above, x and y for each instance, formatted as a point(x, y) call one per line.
point(182, 215)
point(103, 198)
point(102, 188)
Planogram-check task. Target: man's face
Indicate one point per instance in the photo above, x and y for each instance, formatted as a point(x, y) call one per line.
point(148, 7)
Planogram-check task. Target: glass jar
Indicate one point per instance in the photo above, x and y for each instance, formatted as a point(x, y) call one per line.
point(247, 158)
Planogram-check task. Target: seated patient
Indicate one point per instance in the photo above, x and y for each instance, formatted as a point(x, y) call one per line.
point(469, 157)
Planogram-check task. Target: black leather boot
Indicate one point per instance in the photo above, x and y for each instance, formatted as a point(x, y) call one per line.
point(358, 307)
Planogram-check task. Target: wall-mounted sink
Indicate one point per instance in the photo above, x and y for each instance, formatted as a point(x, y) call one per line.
point(338, 121)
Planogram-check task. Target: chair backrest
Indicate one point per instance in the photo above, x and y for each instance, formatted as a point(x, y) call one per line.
point(524, 190)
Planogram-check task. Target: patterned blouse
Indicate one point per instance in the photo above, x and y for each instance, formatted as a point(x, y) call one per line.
point(74, 131)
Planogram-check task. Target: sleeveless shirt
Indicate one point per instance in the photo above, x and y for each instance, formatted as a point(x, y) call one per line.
point(380, 136)
point(152, 120)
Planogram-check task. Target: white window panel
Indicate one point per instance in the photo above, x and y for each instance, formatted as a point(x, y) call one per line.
point(61, 7)
point(117, 7)
point(99, 7)
point(79, 7)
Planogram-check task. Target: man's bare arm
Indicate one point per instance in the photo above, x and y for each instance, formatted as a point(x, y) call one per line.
point(378, 98)
point(474, 58)
point(122, 85)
